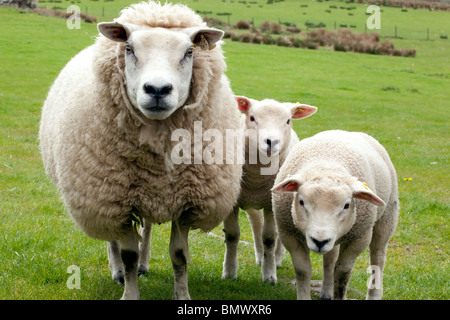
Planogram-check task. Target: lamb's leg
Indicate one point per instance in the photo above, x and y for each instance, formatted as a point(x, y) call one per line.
point(382, 232)
point(179, 254)
point(302, 267)
point(280, 251)
point(115, 262)
point(269, 235)
point(144, 247)
point(232, 235)
point(255, 217)
point(348, 253)
point(129, 251)
point(329, 261)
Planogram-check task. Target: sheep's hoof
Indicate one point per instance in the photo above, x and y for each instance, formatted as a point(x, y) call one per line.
point(270, 279)
point(142, 270)
point(229, 276)
point(118, 277)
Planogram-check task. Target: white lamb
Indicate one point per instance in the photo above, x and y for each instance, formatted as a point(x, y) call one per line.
point(269, 138)
point(106, 133)
point(323, 201)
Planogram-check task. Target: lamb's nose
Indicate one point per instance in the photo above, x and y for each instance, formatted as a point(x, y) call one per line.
point(319, 243)
point(158, 92)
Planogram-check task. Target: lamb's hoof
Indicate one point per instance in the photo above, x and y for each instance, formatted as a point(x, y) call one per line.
point(142, 270)
point(118, 277)
point(229, 276)
point(181, 296)
point(270, 279)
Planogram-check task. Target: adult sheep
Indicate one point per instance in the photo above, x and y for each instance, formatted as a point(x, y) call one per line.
point(323, 201)
point(106, 133)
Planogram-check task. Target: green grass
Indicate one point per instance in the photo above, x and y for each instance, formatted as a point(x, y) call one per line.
point(403, 102)
point(412, 24)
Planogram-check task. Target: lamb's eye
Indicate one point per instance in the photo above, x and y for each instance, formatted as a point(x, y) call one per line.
point(252, 118)
point(301, 202)
point(289, 121)
point(189, 52)
point(347, 205)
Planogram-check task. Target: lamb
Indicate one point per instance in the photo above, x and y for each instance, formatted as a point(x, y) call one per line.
point(323, 201)
point(106, 133)
point(268, 128)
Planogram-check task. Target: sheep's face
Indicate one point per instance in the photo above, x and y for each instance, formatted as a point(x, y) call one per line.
point(158, 71)
point(323, 208)
point(270, 123)
point(158, 64)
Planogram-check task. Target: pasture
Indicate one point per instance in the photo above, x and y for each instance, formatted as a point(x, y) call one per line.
point(403, 102)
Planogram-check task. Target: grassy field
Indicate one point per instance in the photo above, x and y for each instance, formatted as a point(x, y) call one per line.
point(403, 102)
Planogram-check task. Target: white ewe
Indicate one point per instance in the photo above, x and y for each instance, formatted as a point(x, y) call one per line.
point(269, 138)
point(322, 202)
point(106, 131)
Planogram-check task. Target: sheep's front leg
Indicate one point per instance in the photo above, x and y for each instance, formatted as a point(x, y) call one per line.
point(144, 247)
point(232, 235)
point(348, 253)
point(179, 254)
point(129, 252)
point(280, 251)
point(329, 261)
point(269, 235)
point(115, 261)
point(302, 267)
point(255, 217)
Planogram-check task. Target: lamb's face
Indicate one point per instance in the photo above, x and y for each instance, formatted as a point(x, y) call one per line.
point(323, 208)
point(158, 63)
point(269, 123)
point(158, 71)
point(324, 213)
point(272, 123)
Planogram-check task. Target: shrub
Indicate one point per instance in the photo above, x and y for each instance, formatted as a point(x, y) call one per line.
point(276, 28)
point(293, 30)
point(243, 25)
point(265, 26)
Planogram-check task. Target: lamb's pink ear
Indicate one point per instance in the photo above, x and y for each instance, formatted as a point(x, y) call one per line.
point(244, 104)
point(115, 31)
point(363, 192)
point(290, 184)
point(205, 38)
point(300, 111)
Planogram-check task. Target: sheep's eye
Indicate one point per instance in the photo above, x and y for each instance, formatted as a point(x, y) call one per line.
point(252, 118)
point(301, 202)
point(289, 121)
point(189, 52)
point(128, 49)
point(347, 205)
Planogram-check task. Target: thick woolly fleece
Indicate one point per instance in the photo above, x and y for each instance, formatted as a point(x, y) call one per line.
point(110, 162)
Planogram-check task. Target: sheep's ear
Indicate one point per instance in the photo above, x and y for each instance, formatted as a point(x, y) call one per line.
point(363, 192)
point(300, 111)
point(115, 31)
point(244, 104)
point(205, 38)
point(291, 184)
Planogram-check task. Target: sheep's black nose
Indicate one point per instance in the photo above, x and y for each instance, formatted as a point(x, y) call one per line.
point(319, 243)
point(272, 143)
point(158, 92)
